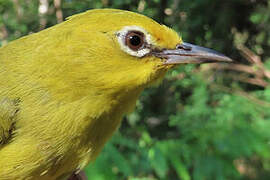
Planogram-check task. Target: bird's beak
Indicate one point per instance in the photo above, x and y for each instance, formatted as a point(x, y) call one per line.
point(186, 53)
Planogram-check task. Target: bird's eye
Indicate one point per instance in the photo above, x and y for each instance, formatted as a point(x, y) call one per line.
point(135, 40)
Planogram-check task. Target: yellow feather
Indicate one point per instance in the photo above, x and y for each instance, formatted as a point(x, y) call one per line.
point(74, 84)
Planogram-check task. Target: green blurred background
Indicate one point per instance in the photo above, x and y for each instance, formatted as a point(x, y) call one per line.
point(203, 122)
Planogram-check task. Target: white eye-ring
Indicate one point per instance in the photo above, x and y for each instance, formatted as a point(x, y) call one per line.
point(134, 40)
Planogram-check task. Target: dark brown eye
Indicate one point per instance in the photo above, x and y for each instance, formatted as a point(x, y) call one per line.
point(134, 40)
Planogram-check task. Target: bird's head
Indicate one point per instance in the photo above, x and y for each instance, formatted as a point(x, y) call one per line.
point(116, 50)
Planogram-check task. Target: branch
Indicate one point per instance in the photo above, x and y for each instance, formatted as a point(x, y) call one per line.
point(235, 67)
point(43, 10)
point(254, 59)
point(18, 9)
point(59, 12)
point(240, 93)
point(3, 32)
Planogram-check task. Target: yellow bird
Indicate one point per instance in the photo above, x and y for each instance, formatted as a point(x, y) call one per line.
point(64, 90)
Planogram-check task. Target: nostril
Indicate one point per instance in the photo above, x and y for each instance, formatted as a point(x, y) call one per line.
point(179, 46)
point(183, 47)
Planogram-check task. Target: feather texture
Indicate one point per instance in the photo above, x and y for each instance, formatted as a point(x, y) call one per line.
point(74, 84)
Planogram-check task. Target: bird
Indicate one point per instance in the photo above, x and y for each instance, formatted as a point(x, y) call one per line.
point(65, 89)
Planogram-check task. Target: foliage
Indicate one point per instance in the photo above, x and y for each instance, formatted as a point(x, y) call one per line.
point(197, 124)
